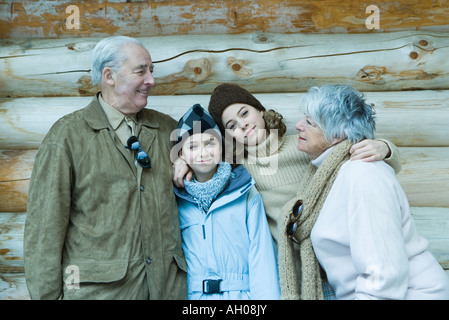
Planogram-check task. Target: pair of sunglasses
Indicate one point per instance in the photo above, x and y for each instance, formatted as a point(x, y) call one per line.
point(142, 158)
point(294, 215)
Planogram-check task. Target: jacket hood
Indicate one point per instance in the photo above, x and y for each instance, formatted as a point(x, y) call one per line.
point(239, 183)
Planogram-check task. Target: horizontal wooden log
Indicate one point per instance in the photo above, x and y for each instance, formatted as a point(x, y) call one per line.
point(263, 63)
point(13, 195)
point(54, 19)
point(12, 277)
point(424, 177)
point(11, 242)
point(15, 174)
point(408, 118)
point(24, 122)
point(13, 287)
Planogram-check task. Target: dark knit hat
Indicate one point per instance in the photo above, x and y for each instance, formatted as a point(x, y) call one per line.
point(226, 94)
point(196, 120)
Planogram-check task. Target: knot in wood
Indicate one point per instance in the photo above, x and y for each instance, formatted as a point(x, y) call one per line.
point(81, 46)
point(262, 38)
point(85, 87)
point(198, 69)
point(371, 74)
point(424, 43)
point(236, 67)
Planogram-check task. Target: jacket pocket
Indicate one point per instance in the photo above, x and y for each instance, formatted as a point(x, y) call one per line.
point(93, 280)
point(180, 261)
point(96, 272)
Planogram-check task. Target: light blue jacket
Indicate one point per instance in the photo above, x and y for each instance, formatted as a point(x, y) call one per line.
point(231, 242)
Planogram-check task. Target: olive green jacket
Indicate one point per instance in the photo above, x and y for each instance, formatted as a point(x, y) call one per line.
point(92, 232)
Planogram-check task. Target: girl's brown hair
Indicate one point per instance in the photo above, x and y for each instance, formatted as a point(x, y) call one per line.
point(273, 120)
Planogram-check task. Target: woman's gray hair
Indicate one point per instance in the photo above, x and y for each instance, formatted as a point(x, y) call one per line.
point(340, 111)
point(108, 53)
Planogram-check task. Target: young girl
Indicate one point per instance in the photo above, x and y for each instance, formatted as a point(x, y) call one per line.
point(228, 247)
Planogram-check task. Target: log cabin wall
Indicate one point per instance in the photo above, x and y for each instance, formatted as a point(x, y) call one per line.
point(275, 49)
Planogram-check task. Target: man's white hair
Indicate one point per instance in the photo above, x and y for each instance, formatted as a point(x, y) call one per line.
point(108, 53)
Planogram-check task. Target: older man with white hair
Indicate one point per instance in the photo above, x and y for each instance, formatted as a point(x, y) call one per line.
point(102, 220)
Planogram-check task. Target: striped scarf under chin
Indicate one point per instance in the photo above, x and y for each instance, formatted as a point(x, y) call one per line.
point(205, 193)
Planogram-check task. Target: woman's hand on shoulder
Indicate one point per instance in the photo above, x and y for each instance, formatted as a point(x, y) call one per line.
point(370, 150)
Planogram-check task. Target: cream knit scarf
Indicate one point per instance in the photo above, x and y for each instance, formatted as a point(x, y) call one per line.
point(314, 190)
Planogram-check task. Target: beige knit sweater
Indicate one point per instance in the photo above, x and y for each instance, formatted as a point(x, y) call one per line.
point(278, 166)
point(277, 170)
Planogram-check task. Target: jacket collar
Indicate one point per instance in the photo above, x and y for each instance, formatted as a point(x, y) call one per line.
point(318, 161)
point(238, 185)
point(114, 116)
point(97, 120)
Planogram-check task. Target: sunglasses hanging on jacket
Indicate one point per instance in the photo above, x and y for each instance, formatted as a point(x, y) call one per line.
point(142, 158)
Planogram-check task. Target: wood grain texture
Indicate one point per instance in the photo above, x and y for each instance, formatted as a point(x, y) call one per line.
point(49, 19)
point(407, 118)
point(263, 63)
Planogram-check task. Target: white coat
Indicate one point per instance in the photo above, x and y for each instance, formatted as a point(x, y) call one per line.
point(367, 242)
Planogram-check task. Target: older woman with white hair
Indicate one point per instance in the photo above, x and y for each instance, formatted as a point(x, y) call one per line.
point(351, 218)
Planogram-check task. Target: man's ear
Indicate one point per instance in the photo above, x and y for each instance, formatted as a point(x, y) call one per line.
point(108, 76)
